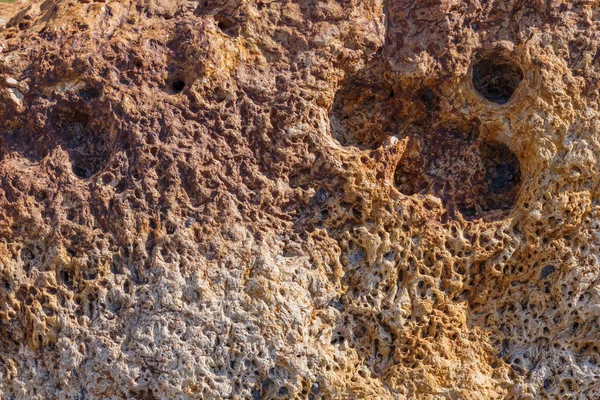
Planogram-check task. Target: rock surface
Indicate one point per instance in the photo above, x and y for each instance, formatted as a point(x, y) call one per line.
point(299, 199)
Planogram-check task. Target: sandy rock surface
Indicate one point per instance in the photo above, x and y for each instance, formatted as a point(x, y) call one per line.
point(315, 199)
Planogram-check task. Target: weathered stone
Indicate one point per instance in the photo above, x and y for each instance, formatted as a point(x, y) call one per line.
point(299, 199)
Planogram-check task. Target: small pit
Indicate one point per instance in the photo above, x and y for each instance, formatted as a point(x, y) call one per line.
point(84, 167)
point(496, 77)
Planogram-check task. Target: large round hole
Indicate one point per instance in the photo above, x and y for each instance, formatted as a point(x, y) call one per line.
point(496, 78)
point(476, 178)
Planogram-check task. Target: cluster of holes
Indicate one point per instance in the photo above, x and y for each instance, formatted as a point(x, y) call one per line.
point(525, 327)
point(375, 294)
point(473, 176)
point(470, 175)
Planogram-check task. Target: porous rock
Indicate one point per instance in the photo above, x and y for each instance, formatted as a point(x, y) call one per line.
point(384, 199)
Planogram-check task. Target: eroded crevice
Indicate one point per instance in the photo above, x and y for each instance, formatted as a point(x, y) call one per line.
point(496, 77)
point(472, 176)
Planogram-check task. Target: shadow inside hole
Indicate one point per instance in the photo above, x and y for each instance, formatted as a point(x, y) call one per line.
point(479, 179)
point(496, 78)
point(65, 278)
point(177, 86)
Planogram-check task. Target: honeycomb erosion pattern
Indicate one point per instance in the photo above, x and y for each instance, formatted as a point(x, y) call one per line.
point(312, 199)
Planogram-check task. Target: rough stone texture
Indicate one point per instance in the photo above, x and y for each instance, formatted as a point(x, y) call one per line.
point(299, 199)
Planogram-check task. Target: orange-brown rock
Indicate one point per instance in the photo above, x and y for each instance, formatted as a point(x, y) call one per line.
point(334, 199)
